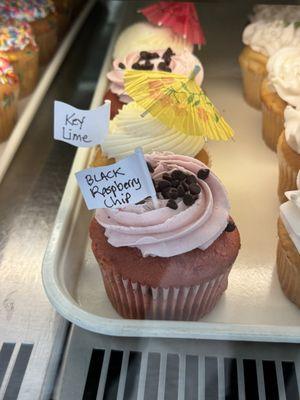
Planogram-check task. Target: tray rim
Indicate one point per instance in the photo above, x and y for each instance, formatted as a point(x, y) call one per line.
point(69, 309)
point(35, 99)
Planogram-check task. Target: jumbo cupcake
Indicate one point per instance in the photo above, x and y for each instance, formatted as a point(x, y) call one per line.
point(288, 151)
point(17, 44)
point(143, 36)
point(171, 262)
point(281, 87)
point(40, 14)
point(129, 129)
point(9, 92)
point(160, 60)
point(262, 39)
point(288, 257)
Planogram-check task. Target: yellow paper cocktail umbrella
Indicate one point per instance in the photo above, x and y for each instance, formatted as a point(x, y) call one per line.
point(178, 102)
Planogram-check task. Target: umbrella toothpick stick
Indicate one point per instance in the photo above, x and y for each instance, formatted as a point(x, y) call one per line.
point(195, 72)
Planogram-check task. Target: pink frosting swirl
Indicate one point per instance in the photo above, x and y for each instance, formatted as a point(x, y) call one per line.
point(182, 64)
point(165, 232)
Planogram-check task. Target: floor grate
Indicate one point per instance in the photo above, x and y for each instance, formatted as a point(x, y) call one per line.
point(101, 367)
point(14, 360)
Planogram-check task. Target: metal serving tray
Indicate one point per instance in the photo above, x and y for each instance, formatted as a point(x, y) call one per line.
point(254, 307)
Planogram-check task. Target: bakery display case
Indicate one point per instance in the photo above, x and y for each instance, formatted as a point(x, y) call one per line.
point(197, 291)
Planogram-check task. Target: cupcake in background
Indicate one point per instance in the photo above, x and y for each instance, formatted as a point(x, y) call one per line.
point(262, 39)
point(288, 151)
point(161, 60)
point(40, 14)
point(288, 257)
point(9, 92)
point(273, 12)
point(143, 36)
point(171, 262)
point(281, 87)
point(64, 11)
point(129, 129)
point(18, 46)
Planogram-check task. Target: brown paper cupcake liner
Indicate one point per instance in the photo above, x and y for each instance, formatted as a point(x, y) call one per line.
point(288, 274)
point(8, 116)
point(251, 87)
point(46, 36)
point(287, 174)
point(136, 301)
point(273, 124)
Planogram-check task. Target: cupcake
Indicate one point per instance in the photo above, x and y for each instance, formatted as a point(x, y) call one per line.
point(143, 36)
point(262, 39)
point(288, 151)
point(17, 44)
point(40, 14)
point(64, 11)
point(281, 87)
point(161, 60)
point(171, 262)
point(288, 257)
point(9, 92)
point(129, 130)
point(273, 12)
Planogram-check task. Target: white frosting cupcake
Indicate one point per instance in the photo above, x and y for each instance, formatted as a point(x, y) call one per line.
point(284, 74)
point(290, 214)
point(129, 130)
point(292, 128)
point(268, 37)
point(143, 36)
point(270, 12)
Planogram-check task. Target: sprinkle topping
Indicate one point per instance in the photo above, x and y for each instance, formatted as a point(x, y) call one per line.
point(7, 74)
point(15, 35)
point(26, 10)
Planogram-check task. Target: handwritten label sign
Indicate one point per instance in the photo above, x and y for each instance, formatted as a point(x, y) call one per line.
point(115, 186)
point(81, 128)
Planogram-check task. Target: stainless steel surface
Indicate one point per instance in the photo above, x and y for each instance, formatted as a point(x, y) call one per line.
point(102, 367)
point(29, 196)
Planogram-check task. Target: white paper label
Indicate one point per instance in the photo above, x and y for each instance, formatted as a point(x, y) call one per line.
point(115, 186)
point(81, 128)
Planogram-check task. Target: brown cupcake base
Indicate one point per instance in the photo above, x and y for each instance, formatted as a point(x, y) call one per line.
point(183, 287)
point(288, 265)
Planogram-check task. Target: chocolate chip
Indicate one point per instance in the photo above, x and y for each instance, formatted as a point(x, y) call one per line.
point(188, 199)
point(181, 191)
point(175, 183)
point(162, 66)
point(203, 173)
point(150, 168)
point(147, 66)
point(185, 186)
point(144, 55)
point(194, 188)
point(177, 174)
point(122, 66)
point(190, 179)
point(163, 184)
point(136, 66)
point(168, 53)
point(167, 177)
point(173, 193)
point(230, 227)
point(172, 204)
point(154, 55)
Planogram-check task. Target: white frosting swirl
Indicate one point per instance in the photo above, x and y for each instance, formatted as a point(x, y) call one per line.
point(292, 128)
point(268, 37)
point(143, 36)
point(129, 130)
point(270, 12)
point(284, 74)
point(290, 214)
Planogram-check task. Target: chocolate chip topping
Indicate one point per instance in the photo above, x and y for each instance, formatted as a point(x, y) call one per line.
point(136, 66)
point(177, 174)
point(188, 199)
point(203, 173)
point(172, 193)
point(167, 177)
point(230, 227)
point(163, 184)
point(194, 188)
point(122, 66)
point(175, 183)
point(162, 66)
point(172, 204)
point(150, 168)
point(191, 179)
point(146, 55)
